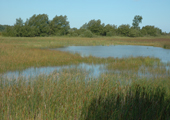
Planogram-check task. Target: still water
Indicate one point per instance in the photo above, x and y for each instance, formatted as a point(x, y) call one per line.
point(120, 51)
point(117, 51)
point(94, 71)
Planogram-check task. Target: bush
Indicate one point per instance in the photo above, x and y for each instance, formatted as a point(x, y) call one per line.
point(124, 30)
point(151, 30)
point(134, 33)
point(87, 33)
point(111, 33)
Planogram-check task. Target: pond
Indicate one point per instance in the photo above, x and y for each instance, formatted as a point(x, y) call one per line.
point(120, 51)
point(94, 71)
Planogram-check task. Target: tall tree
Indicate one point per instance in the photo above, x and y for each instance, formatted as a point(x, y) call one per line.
point(94, 26)
point(137, 19)
point(40, 24)
point(28, 31)
point(84, 26)
point(59, 25)
point(18, 27)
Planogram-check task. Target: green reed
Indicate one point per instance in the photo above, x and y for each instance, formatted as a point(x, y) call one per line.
point(132, 88)
point(70, 94)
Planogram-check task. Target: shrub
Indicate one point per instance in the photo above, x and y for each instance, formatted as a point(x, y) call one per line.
point(87, 33)
point(111, 33)
point(134, 33)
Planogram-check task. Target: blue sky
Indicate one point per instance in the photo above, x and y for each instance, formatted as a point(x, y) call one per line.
point(78, 12)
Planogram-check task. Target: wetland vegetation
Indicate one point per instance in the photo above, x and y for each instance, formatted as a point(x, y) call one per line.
point(119, 93)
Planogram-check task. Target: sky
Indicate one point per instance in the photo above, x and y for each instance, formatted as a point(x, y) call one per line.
point(78, 12)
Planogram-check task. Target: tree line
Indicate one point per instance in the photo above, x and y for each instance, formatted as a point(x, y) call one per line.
point(40, 25)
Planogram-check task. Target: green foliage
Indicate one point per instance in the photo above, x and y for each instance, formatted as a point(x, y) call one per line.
point(110, 33)
point(2, 27)
point(134, 32)
point(9, 31)
point(28, 31)
point(94, 26)
point(84, 26)
point(139, 102)
point(110, 30)
point(18, 27)
point(40, 25)
point(73, 32)
point(124, 30)
point(137, 19)
point(151, 31)
point(87, 33)
point(59, 25)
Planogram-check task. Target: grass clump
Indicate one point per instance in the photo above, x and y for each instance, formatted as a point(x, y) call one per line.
point(139, 102)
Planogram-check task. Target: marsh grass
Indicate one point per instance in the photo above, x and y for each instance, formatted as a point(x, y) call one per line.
point(133, 63)
point(166, 46)
point(139, 102)
point(70, 93)
point(18, 53)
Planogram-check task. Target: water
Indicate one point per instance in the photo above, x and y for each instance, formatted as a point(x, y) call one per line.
point(120, 51)
point(32, 72)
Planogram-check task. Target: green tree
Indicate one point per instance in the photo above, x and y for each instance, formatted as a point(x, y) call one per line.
point(124, 30)
point(84, 26)
point(110, 30)
point(28, 31)
point(73, 32)
point(134, 32)
point(9, 31)
point(94, 26)
point(151, 31)
point(18, 27)
point(2, 27)
point(40, 24)
point(59, 25)
point(137, 19)
point(87, 33)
